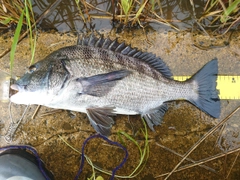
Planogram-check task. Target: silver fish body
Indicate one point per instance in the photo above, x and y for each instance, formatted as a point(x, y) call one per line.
point(102, 78)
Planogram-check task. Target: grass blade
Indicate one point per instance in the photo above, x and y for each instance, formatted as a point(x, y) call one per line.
point(32, 40)
point(6, 20)
point(15, 40)
point(125, 6)
point(232, 7)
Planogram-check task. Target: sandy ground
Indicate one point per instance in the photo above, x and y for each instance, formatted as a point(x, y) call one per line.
point(183, 124)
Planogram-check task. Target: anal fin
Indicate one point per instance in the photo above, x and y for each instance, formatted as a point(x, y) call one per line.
point(154, 117)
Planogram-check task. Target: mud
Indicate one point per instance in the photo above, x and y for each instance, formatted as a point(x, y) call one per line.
point(183, 124)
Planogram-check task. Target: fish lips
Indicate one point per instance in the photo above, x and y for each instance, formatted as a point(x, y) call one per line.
point(17, 87)
point(20, 95)
point(14, 91)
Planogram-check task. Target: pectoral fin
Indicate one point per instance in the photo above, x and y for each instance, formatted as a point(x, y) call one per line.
point(155, 116)
point(99, 85)
point(100, 119)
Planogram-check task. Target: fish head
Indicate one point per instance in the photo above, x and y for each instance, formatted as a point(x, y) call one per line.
point(32, 84)
point(38, 84)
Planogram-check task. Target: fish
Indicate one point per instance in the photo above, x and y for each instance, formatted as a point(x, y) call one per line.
point(103, 77)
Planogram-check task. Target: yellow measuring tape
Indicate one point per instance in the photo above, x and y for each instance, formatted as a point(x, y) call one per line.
point(228, 86)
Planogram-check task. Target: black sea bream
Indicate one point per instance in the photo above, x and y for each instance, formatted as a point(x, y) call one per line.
point(103, 78)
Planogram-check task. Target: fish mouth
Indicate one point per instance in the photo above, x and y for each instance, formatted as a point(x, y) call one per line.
point(14, 89)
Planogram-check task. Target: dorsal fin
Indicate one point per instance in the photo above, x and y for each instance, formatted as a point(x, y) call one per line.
point(113, 45)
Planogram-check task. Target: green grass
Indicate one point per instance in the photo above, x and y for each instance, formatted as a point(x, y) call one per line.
point(231, 9)
point(32, 38)
point(144, 153)
point(217, 13)
point(15, 40)
point(19, 13)
point(221, 14)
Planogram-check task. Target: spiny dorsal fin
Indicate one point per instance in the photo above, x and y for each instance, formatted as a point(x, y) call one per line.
point(113, 45)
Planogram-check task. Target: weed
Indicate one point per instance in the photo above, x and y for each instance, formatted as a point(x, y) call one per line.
point(20, 13)
point(221, 15)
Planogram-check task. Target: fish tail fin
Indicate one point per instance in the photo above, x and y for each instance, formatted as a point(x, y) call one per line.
point(208, 100)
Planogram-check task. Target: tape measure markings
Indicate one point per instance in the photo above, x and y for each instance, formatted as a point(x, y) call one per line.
point(228, 86)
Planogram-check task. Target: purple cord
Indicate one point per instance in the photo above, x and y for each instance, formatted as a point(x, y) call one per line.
point(25, 147)
point(110, 142)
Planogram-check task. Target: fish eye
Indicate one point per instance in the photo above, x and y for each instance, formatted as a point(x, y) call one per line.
point(31, 69)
